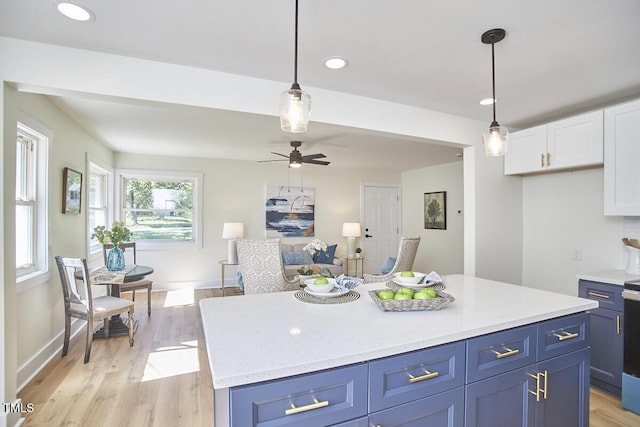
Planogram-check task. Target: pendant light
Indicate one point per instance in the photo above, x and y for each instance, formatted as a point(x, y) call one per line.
point(495, 140)
point(295, 104)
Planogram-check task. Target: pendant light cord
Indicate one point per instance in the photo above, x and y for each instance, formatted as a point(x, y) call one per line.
point(493, 80)
point(295, 52)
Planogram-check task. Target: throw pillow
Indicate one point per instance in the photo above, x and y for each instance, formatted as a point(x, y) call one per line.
point(296, 258)
point(387, 265)
point(325, 257)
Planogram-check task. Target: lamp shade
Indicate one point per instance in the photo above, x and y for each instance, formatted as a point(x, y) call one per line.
point(233, 230)
point(351, 229)
point(295, 106)
point(496, 140)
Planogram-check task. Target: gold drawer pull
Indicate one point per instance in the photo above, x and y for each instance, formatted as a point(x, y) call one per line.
point(426, 376)
point(566, 335)
point(537, 392)
point(618, 324)
point(297, 409)
point(508, 353)
point(598, 295)
point(542, 160)
point(544, 391)
point(548, 159)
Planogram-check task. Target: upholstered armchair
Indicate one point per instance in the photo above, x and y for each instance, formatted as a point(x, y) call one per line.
point(404, 261)
point(260, 263)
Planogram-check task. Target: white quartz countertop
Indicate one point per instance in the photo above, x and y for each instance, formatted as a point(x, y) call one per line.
point(253, 338)
point(613, 277)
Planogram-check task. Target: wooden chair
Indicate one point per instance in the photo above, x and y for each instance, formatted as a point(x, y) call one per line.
point(131, 286)
point(407, 250)
point(260, 263)
point(79, 303)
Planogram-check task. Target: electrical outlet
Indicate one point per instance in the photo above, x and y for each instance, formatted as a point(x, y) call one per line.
point(576, 254)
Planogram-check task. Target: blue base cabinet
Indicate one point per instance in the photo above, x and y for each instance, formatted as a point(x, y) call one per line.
point(606, 334)
point(534, 375)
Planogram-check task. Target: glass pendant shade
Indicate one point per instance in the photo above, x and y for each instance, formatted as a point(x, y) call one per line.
point(496, 140)
point(295, 105)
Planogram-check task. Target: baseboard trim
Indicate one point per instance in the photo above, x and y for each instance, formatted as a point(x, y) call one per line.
point(33, 366)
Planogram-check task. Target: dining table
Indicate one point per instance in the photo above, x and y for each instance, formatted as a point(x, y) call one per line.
point(118, 326)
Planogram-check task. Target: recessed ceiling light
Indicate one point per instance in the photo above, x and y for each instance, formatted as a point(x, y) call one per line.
point(75, 12)
point(335, 63)
point(487, 101)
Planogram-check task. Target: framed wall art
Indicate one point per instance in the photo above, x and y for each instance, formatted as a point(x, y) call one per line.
point(71, 191)
point(435, 210)
point(290, 211)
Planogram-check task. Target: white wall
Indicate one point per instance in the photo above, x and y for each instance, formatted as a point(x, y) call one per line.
point(440, 250)
point(235, 191)
point(563, 212)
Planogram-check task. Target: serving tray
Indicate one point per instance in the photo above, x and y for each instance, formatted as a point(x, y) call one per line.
point(437, 303)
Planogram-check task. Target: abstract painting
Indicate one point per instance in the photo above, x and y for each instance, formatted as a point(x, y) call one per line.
point(290, 211)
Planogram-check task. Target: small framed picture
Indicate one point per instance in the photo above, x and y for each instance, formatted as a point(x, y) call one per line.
point(71, 191)
point(435, 210)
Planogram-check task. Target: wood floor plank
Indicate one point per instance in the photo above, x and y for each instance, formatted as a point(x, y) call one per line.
point(164, 380)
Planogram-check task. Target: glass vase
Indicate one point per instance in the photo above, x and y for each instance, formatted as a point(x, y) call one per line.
point(115, 259)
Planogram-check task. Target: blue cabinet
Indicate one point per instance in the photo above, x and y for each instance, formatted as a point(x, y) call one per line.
point(552, 392)
point(606, 334)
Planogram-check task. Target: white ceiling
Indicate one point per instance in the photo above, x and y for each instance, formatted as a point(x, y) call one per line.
point(559, 58)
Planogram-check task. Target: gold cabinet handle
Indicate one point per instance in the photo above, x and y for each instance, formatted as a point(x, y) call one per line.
point(618, 324)
point(542, 160)
point(315, 405)
point(545, 390)
point(427, 375)
point(537, 392)
point(566, 335)
point(548, 159)
point(598, 295)
point(508, 353)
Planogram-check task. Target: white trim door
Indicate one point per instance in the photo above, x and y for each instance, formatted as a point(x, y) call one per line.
point(380, 224)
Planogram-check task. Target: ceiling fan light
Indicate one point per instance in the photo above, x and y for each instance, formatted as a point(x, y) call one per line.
point(295, 163)
point(295, 106)
point(496, 140)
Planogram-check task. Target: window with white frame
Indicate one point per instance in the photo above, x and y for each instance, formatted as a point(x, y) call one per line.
point(100, 191)
point(31, 204)
point(161, 208)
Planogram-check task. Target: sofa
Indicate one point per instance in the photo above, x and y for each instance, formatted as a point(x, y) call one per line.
point(294, 258)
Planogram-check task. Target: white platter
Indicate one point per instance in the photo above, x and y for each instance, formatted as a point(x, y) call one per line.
point(413, 285)
point(336, 292)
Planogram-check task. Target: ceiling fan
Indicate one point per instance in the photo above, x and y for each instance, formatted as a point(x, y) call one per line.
point(296, 159)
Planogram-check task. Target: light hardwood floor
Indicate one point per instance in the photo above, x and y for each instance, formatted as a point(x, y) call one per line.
point(164, 380)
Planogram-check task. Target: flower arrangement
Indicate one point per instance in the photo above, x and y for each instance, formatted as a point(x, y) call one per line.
point(316, 245)
point(118, 233)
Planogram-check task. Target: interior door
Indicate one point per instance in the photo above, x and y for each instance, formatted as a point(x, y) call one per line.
point(381, 213)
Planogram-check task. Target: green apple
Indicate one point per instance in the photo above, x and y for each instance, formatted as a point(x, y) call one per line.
point(402, 296)
point(432, 292)
point(386, 294)
point(321, 281)
point(405, 291)
point(407, 274)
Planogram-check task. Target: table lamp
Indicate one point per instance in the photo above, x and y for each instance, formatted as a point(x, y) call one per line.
point(232, 231)
point(351, 230)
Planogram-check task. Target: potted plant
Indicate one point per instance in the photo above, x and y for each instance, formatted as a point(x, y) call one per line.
point(116, 235)
point(358, 252)
point(307, 271)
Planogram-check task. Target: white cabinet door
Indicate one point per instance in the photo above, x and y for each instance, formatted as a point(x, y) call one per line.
point(526, 150)
point(576, 141)
point(622, 159)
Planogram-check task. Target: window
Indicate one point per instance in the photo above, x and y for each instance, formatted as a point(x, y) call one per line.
point(31, 205)
point(100, 201)
point(161, 208)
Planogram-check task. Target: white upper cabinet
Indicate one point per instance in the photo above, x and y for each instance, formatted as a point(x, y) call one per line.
point(622, 159)
point(573, 142)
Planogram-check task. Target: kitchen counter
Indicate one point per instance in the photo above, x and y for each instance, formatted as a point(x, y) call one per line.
point(255, 338)
point(613, 277)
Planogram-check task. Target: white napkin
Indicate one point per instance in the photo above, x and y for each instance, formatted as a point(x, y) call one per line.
point(432, 278)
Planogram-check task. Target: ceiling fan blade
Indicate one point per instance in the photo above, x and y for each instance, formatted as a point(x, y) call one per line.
point(316, 162)
point(278, 154)
point(278, 160)
point(313, 156)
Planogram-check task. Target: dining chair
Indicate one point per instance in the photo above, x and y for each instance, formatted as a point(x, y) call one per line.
point(260, 263)
point(131, 286)
point(79, 303)
point(407, 250)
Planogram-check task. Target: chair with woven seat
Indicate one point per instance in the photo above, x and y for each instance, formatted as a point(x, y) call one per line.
point(407, 250)
point(260, 263)
point(79, 303)
point(131, 286)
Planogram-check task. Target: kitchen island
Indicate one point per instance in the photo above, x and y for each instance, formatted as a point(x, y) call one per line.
point(268, 337)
